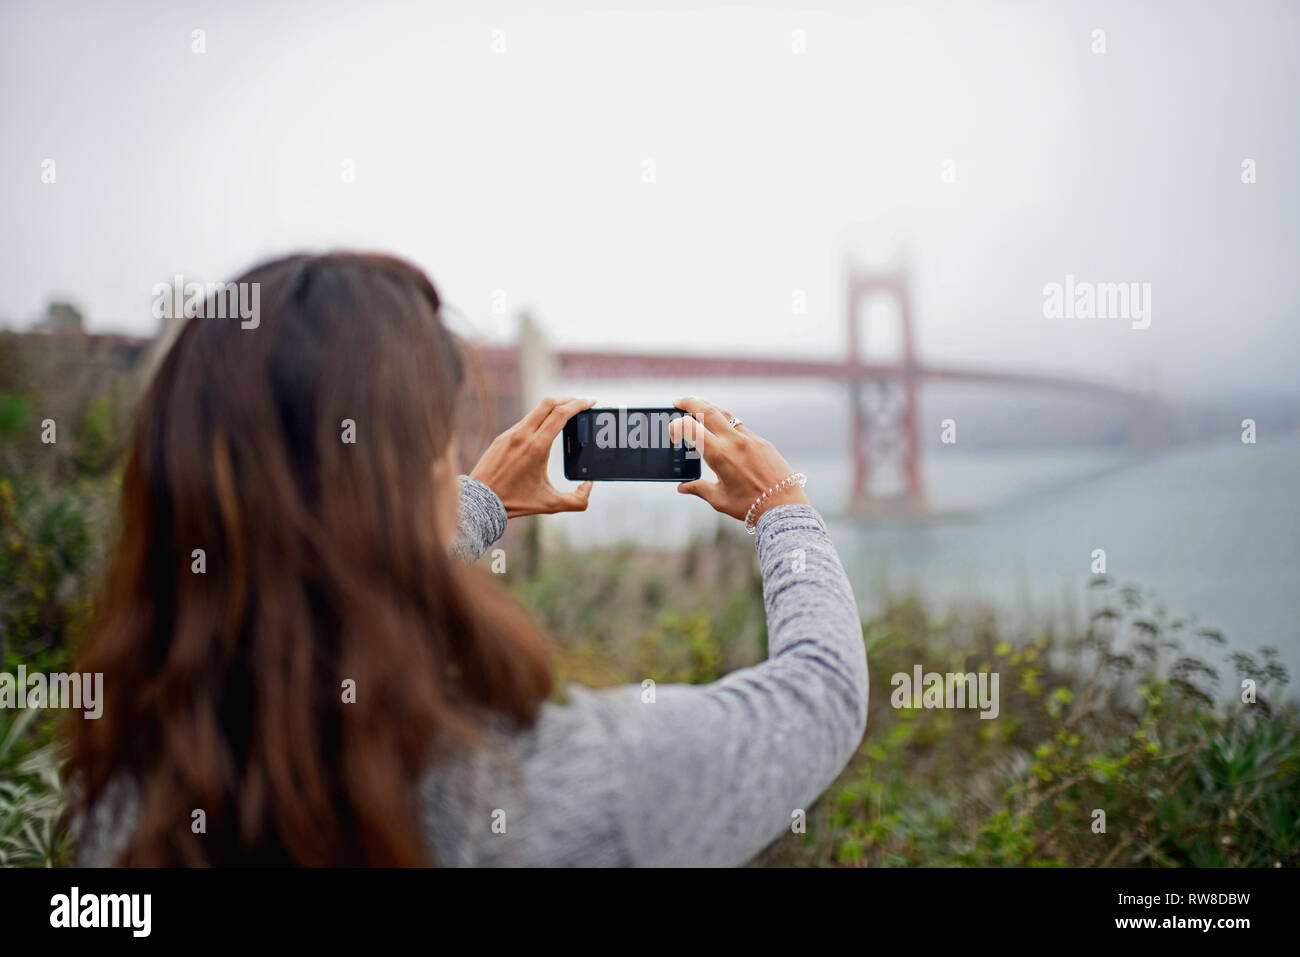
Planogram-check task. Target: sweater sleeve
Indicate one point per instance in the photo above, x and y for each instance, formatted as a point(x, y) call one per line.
point(480, 522)
point(716, 772)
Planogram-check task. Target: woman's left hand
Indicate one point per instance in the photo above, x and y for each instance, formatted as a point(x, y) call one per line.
point(514, 465)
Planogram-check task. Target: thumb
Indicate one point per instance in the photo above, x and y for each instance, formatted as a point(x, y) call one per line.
point(576, 501)
point(701, 488)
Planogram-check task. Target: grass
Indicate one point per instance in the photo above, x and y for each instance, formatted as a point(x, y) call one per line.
point(1125, 714)
point(1118, 743)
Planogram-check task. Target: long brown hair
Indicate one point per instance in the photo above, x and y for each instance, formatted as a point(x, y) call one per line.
point(224, 689)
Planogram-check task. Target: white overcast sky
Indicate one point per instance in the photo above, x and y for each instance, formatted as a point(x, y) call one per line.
point(522, 170)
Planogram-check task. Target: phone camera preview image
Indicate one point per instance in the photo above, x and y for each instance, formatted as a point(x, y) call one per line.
point(627, 445)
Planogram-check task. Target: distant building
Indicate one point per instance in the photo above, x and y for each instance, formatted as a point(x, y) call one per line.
point(61, 318)
point(61, 368)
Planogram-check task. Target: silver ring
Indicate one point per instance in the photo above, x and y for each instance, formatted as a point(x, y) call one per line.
point(733, 422)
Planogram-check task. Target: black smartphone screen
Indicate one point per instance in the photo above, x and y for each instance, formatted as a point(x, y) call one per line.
point(627, 445)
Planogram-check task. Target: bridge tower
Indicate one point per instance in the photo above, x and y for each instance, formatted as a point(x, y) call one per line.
point(885, 427)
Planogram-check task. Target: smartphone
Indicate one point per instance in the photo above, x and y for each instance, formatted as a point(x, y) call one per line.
point(627, 445)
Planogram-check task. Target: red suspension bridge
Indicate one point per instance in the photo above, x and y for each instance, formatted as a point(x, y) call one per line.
point(885, 435)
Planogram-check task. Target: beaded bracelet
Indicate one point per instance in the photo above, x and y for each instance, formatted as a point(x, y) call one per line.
point(751, 517)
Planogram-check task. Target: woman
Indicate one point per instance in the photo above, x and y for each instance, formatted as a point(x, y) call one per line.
point(300, 667)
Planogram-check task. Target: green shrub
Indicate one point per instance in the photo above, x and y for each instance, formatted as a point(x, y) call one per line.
point(1116, 718)
point(31, 797)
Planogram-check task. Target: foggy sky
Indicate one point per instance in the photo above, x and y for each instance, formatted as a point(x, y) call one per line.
point(522, 171)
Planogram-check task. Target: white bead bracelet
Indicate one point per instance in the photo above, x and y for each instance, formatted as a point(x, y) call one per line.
point(755, 510)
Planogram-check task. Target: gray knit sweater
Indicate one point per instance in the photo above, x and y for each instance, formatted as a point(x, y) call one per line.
point(695, 775)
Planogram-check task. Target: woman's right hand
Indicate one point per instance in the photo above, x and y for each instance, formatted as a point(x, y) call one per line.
point(746, 464)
